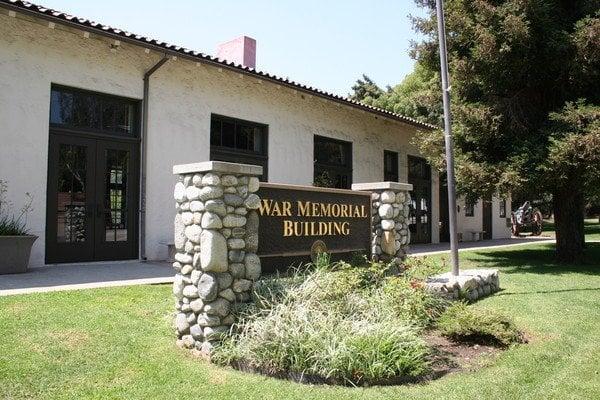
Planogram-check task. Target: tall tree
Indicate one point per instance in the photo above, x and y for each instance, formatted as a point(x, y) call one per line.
point(520, 70)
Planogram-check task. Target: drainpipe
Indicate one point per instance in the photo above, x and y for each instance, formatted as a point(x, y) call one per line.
point(143, 140)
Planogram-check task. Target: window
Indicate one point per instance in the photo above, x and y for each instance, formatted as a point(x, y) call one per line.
point(89, 111)
point(502, 206)
point(469, 209)
point(390, 166)
point(239, 141)
point(418, 168)
point(333, 163)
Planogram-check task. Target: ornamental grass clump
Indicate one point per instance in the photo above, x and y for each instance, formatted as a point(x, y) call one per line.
point(463, 323)
point(336, 324)
point(11, 224)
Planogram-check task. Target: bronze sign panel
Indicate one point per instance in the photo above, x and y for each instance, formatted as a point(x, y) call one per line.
point(297, 221)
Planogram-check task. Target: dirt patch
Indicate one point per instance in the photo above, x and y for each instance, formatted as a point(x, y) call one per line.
point(451, 356)
point(70, 338)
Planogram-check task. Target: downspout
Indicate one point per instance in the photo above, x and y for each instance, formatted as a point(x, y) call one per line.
point(143, 140)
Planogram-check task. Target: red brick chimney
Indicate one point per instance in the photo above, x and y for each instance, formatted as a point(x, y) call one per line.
point(241, 50)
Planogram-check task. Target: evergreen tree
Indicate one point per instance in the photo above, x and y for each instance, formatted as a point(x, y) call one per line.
point(525, 79)
point(365, 90)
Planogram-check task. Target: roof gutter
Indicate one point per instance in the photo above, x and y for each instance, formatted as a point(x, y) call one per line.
point(204, 59)
point(143, 162)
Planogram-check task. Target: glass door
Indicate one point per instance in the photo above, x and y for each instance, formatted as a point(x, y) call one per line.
point(419, 175)
point(92, 200)
point(71, 199)
point(116, 197)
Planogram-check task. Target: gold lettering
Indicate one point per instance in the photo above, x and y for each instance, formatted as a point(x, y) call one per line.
point(287, 228)
point(303, 208)
point(265, 207)
point(315, 210)
point(364, 213)
point(297, 231)
point(287, 209)
point(344, 210)
point(324, 228)
point(337, 228)
point(335, 210)
point(345, 228)
point(325, 209)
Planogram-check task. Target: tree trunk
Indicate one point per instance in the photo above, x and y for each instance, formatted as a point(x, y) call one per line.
point(569, 224)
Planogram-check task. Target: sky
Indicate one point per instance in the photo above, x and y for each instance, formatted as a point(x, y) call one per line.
point(323, 43)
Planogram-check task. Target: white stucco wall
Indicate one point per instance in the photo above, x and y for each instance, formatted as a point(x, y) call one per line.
point(32, 56)
point(469, 224)
point(182, 97)
point(475, 223)
point(500, 230)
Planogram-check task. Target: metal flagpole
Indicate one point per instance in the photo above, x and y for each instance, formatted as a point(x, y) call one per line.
point(448, 137)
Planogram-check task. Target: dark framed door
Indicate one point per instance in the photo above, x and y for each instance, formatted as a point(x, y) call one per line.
point(116, 200)
point(70, 203)
point(487, 218)
point(419, 175)
point(92, 199)
point(444, 211)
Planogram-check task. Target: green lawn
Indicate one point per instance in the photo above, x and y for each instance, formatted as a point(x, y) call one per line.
point(591, 227)
point(117, 343)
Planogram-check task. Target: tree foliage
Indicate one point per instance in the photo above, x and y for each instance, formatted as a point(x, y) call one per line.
point(417, 96)
point(365, 90)
point(525, 88)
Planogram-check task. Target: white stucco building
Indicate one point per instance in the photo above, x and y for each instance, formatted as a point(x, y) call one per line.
point(94, 118)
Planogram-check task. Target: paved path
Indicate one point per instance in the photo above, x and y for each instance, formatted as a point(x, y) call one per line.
point(86, 276)
point(124, 273)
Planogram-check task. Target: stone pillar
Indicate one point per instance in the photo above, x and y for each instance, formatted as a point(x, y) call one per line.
point(216, 239)
point(390, 235)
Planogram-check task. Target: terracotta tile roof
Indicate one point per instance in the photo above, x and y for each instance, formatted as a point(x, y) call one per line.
point(95, 27)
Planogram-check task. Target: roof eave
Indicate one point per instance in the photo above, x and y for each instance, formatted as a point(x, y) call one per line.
point(199, 57)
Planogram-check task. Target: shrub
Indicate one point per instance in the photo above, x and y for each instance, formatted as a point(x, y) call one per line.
point(11, 225)
point(333, 323)
point(464, 323)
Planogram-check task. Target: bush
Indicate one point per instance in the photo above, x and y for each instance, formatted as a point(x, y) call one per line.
point(341, 324)
point(11, 225)
point(464, 323)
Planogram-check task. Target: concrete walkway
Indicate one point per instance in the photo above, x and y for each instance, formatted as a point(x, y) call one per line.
point(124, 273)
point(86, 276)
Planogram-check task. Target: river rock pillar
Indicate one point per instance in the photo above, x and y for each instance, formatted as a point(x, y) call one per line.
point(216, 240)
point(390, 207)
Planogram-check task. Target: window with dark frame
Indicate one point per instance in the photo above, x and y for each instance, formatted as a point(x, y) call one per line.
point(332, 163)
point(502, 206)
point(239, 141)
point(469, 209)
point(390, 166)
point(94, 112)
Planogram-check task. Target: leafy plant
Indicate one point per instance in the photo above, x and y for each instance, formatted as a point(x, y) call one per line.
point(336, 321)
point(464, 323)
point(11, 224)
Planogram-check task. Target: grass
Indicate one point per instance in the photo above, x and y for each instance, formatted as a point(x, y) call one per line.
point(118, 343)
point(591, 228)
